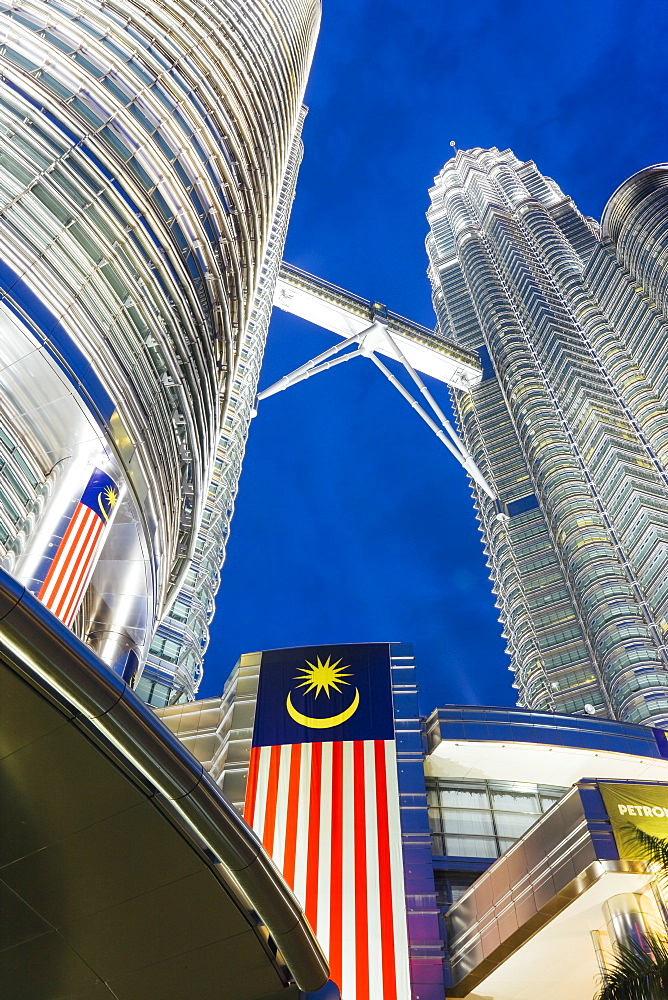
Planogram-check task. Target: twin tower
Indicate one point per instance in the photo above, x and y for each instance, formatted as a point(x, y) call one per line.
point(569, 423)
point(148, 165)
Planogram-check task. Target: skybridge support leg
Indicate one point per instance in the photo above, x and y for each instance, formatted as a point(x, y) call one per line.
point(296, 376)
point(445, 423)
point(367, 341)
point(460, 453)
point(311, 367)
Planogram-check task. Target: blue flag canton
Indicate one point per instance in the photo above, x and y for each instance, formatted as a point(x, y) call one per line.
point(662, 741)
point(322, 694)
point(101, 494)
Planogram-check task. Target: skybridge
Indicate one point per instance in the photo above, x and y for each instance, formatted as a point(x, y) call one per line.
point(370, 329)
point(347, 315)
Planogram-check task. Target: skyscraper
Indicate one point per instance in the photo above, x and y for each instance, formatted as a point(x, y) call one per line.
point(174, 666)
point(149, 154)
point(569, 424)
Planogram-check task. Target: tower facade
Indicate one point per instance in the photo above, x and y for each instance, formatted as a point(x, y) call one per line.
point(174, 667)
point(569, 424)
point(148, 158)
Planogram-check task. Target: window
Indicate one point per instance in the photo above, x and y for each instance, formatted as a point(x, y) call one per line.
point(153, 692)
point(482, 819)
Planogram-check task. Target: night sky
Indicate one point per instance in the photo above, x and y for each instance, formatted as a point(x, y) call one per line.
point(352, 522)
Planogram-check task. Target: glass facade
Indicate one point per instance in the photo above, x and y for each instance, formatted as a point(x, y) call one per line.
point(482, 819)
point(569, 425)
point(147, 165)
point(174, 667)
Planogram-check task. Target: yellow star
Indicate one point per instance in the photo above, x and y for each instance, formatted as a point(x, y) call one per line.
point(110, 496)
point(322, 676)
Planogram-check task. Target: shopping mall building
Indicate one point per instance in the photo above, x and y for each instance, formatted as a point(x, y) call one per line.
point(307, 835)
point(471, 850)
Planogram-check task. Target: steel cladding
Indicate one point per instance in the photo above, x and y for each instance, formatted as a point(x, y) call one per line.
point(145, 148)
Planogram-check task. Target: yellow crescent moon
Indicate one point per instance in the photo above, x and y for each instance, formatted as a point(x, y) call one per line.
point(333, 720)
point(100, 504)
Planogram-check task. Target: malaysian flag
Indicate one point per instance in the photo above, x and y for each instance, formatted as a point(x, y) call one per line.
point(322, 796)
point(76, 556)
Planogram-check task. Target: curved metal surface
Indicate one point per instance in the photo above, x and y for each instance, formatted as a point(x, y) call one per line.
point(47, 655)
point(168, 676)
point(629, 195)
point(145, 151)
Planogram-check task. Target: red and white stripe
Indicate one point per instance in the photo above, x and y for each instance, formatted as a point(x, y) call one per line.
point(73, 564)
point(328, 814)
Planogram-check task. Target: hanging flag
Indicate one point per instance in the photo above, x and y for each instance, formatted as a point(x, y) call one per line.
point(77, 554)
point(322, 795)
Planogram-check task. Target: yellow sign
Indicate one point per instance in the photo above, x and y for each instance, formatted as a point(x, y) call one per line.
point(635, 807)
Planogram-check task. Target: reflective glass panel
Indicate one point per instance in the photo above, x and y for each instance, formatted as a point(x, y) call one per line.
point(510, 824)
point(466, 798)
point(476, 821)
point(471, 847)
point(515, 800)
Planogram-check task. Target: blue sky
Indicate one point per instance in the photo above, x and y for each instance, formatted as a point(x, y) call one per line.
point(352, 522)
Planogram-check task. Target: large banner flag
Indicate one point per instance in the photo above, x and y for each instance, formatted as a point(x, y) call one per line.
point(77, 554)
point(322, 795)
point(635, 808)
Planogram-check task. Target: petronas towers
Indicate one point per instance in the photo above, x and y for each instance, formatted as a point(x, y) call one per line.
point(570, 422)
